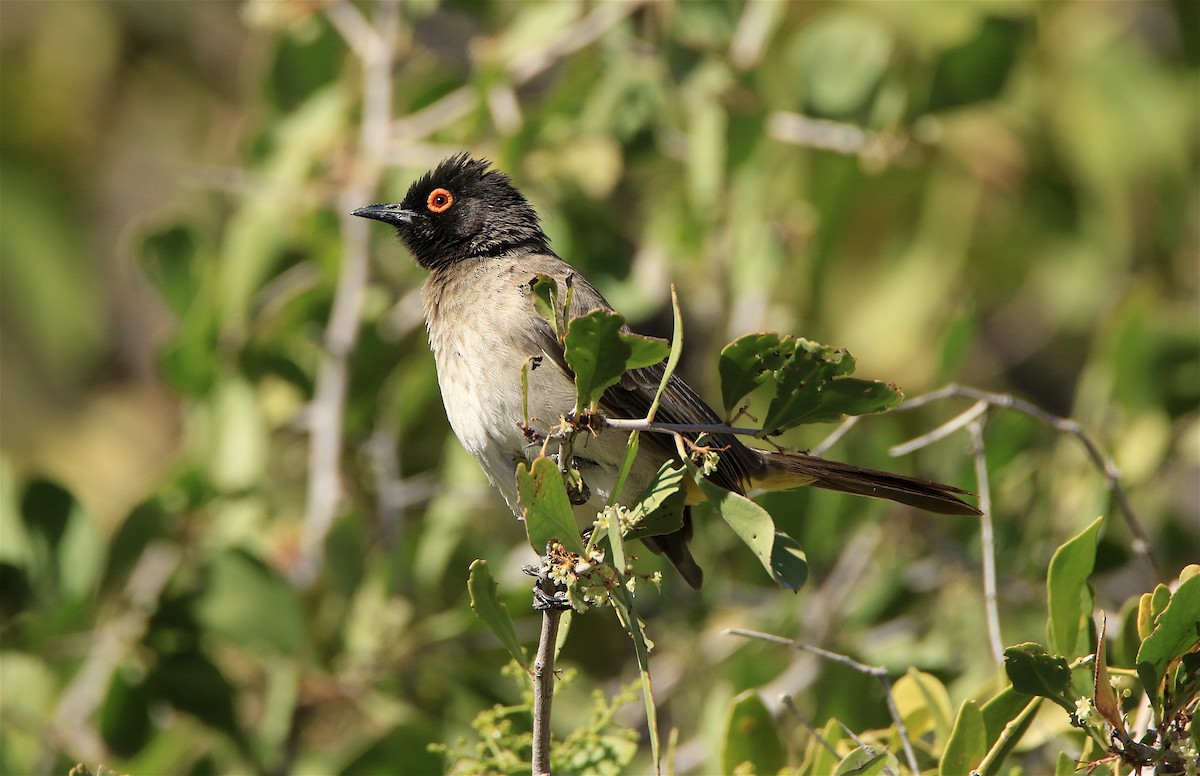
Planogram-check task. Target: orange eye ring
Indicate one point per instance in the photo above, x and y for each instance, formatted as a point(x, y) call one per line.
point(439, 201)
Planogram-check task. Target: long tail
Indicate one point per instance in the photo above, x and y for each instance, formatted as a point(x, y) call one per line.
point(791, 470)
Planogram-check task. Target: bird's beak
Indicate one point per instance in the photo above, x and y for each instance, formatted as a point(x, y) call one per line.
point(389, 214)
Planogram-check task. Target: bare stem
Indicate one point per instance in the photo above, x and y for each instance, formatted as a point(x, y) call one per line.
point(987, 541)
point(1112, 476)
point(543, 690)
point(879, 672)
point(377, 50)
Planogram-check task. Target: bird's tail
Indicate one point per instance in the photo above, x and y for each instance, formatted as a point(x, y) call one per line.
point(791, 470)
point(675, 547)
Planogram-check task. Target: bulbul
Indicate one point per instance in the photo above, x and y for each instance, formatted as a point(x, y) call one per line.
point(483, 245)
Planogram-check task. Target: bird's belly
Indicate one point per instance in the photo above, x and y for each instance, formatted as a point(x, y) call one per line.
point(481, 393)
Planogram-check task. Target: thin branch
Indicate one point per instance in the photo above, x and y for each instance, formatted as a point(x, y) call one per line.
point(543, 691)
point(460, 102)
point(1112, 476)
point(111, 643)
point(987, 541)
point(578, 36)
point(879, 672)
point(1006, 733)
point(942, 431)
point(341, 334)
point(790, 704)
point(839, 432)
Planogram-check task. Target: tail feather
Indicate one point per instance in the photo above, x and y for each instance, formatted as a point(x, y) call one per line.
point(790, 470)
point(675, 547)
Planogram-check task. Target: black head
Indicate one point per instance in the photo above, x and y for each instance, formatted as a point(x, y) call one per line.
point(462, 210)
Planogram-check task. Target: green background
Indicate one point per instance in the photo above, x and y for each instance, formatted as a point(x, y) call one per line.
point(1002, 194)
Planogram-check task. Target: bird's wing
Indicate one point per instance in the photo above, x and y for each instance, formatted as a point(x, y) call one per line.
point(632, 395)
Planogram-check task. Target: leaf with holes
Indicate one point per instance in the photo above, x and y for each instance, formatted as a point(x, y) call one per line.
point(748, 362)
point(1033, 671)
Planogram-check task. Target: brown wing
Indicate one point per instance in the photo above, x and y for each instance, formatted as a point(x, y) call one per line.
point(631, 397)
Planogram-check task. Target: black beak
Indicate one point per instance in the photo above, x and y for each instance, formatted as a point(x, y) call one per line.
point(389, 214)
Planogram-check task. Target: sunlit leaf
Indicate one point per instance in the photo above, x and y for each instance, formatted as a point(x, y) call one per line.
point(751, 736)
point(1070, 600)
point(967, 745)
point(491, 610)
point(599, 352)
point(866, 762)
point(545, 301)
point(660, 509)
point(779, 554)
point(1176, 630)
point(547, 508)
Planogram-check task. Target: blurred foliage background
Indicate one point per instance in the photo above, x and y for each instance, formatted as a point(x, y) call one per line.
point(1002, 194)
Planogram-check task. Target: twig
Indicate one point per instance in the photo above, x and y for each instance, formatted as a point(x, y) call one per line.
point(977, 410)
point(839, 432)
point(790, 704)
point(863, 745)
point(1006, 733)
point(543, 690)
point(1141, 541)
point(879, 672)
point(341, 335)
point(111, 642)
point(987, 540)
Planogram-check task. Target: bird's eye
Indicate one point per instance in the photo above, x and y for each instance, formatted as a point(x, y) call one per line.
point(439, 201)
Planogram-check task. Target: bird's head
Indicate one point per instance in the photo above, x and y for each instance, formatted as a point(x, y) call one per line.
point(461, 210)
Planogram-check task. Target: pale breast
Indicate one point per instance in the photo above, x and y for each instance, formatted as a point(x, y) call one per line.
point(481, 323)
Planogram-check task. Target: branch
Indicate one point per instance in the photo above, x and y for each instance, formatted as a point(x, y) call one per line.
point(543, 689)
point(111, 643)
point(327, 408)
point(879, 672)
point(1141, 541)
point(987, 541)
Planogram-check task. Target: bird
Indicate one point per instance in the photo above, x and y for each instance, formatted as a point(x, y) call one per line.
point(483, 245)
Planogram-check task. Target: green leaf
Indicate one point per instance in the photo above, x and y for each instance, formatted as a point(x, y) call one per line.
point(798, 384)
point(488, 607)
point(818, 759)
point(247, 602)
point(967, 745)
point(1033, 671)
point(751, 736)
point(779, 553)
point(851, 396)
point(746, 363)
point(1070, 599)
point(923, 704)
point(1007, 707)
point(545, 301)
point(1176, 631)
point(599, 352)
point(547, 510)
point(865, 762)
point(623, 602)
point(803, 375)
point(660, 509)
